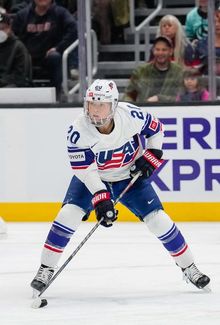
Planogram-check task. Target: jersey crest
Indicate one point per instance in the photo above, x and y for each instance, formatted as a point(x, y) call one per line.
point(118, 157)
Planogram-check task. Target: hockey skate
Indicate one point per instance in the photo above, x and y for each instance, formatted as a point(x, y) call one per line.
point(41, 279)
point(193, 275)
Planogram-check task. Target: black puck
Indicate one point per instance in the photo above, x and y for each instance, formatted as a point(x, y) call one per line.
point(43, 303)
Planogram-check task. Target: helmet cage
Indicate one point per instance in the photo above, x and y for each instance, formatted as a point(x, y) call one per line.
point(101, 91)
point(101, 121)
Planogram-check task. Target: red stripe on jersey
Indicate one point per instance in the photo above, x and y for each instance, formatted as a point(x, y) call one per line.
point(80, 167)
point(109, 166)
point(116, 164)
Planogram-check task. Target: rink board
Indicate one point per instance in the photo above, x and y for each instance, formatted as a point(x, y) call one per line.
point(193, 211)
point(35, 171)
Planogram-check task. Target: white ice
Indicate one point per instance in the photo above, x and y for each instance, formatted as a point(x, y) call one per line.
point(122, 276)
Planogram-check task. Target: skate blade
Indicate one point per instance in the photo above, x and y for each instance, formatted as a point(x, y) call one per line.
point(207, 289)
point(35, 293)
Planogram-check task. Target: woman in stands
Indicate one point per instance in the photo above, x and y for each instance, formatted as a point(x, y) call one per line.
point(171, 27)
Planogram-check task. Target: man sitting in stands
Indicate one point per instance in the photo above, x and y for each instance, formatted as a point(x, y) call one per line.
point(15, 65)
point(47, 30)
point(156, 81)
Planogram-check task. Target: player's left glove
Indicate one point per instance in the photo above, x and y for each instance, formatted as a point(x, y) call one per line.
point(147, 163)
point(104, 208)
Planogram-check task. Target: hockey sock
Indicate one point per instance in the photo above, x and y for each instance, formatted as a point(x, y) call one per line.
point(160, 224)
point(58, 237)
point(62, 229)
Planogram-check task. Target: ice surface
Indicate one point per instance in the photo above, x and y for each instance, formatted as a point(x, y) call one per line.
point(122, 276)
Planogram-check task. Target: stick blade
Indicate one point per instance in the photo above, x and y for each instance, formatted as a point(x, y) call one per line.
point(39, 303)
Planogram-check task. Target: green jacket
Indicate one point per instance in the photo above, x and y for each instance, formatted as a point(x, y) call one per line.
point(146, 81)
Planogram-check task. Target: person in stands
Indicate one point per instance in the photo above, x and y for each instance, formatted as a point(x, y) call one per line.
point(15, 64)
point(158, 80)
point(171, 27)
point(196, 25)
point(193, 89)
point(47, 30)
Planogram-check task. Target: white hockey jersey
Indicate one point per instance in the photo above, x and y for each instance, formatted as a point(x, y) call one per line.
point(97, 157)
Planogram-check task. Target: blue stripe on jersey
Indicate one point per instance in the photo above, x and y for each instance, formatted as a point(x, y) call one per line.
point(151, 126)
point(144, 127)
point(59, 235)
point(173, 240)
point(80, 158)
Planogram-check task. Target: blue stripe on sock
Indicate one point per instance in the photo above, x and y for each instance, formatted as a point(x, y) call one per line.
point(173, 240)
point(63, 227)
point(163, 237)
point(58, 237)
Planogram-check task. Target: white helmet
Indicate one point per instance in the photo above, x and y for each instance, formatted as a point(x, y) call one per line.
point(102, 90)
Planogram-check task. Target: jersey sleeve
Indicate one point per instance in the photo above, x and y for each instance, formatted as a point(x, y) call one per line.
point(153, 131)
point(143, 123)
point(151, 126)
point(80, 158)
point(82, 161)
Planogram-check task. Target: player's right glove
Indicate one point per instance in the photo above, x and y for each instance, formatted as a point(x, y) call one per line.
point(104, 208)
point(147, 163)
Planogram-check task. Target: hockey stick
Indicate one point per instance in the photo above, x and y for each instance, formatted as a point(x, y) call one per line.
point(38, 303)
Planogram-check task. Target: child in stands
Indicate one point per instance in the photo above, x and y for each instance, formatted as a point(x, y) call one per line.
point(192, 89)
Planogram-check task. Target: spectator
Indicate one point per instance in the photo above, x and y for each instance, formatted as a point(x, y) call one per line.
point(201, 49)
point(193, 89)
point(121, 18)
point(15, 65)
point(158, 80)
point(171, 27)
point(109, 19)
point(196, 25)
point(101, 20)
point(47, 30)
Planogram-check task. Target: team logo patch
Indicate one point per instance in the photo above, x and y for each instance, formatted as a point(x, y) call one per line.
point(98, 88)
point(153, 125)
point(78, 156)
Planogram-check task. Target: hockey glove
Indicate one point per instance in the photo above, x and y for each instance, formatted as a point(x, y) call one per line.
point(104, 208)
point(147, 163)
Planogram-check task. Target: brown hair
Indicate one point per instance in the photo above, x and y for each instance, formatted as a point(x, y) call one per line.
point(193, 73)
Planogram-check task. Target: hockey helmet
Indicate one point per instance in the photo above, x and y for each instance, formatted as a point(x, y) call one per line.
point(101, 91)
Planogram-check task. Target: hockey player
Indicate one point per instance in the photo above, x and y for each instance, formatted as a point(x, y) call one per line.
point(108, 145)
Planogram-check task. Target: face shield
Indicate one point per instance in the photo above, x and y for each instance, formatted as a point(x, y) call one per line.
point(99, 113)
point(100, 102)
